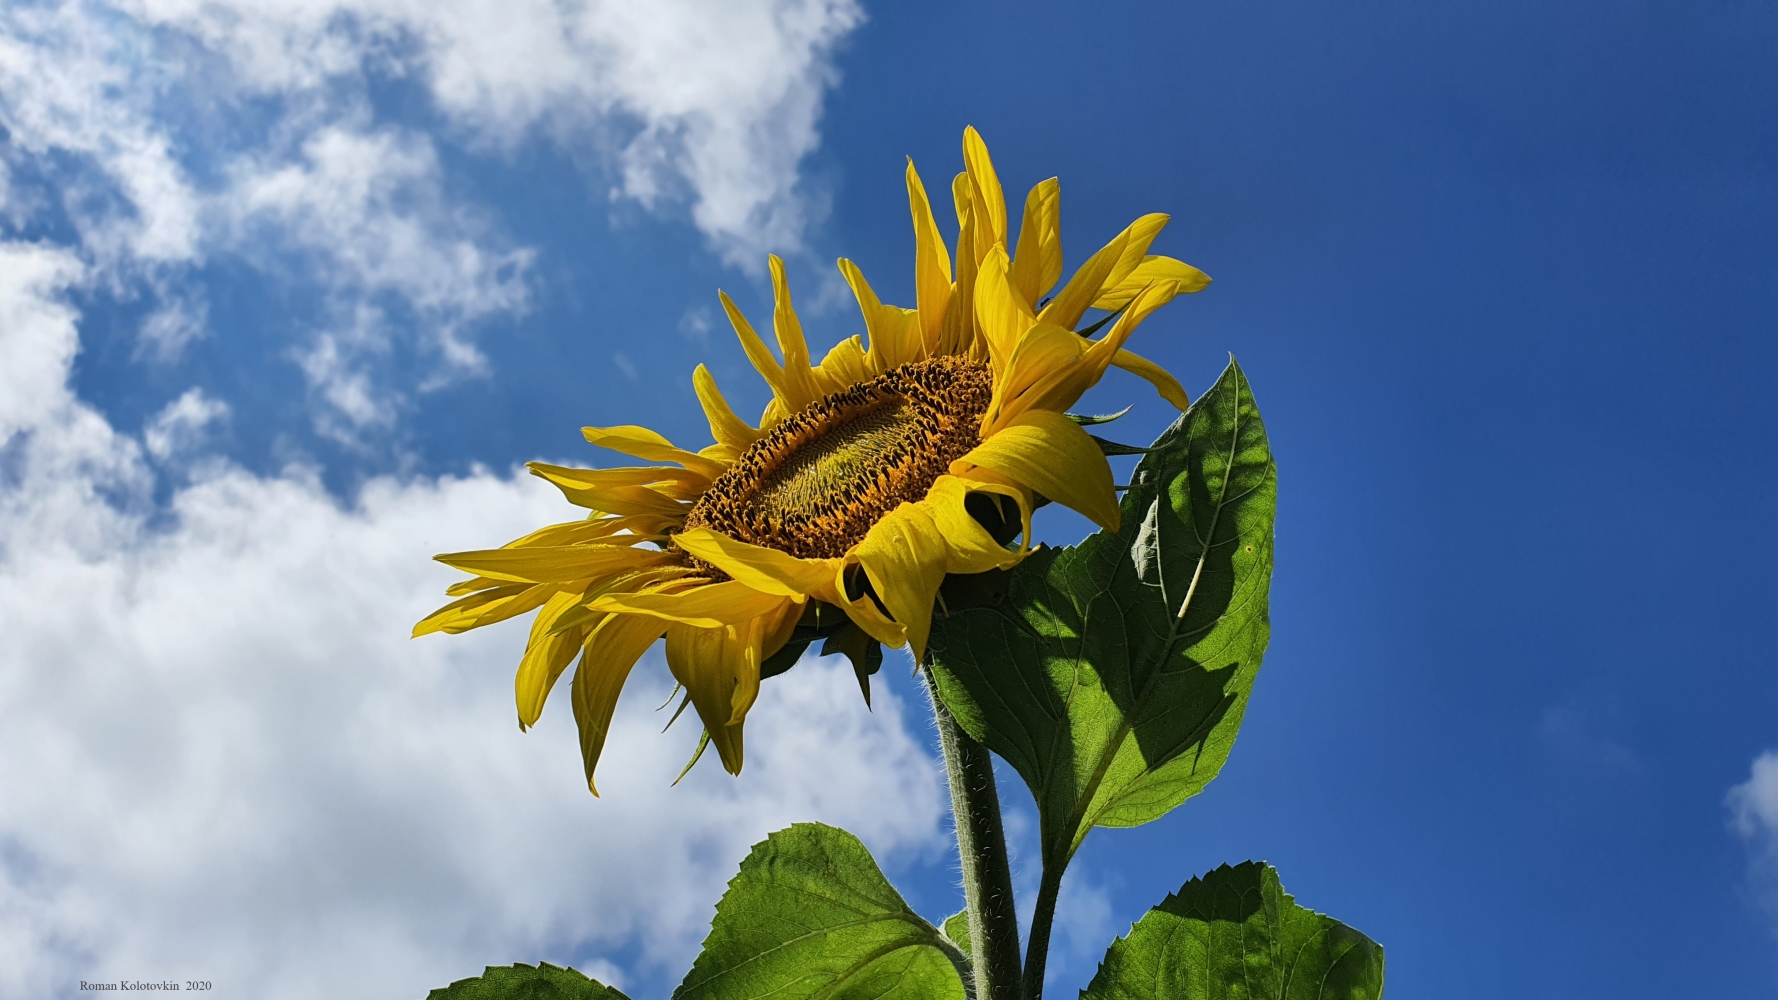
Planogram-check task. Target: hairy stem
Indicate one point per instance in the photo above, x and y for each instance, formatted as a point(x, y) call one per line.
point(1041, 920)
point(981, 846)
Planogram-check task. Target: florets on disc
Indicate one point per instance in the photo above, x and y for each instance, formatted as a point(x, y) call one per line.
point(815, 484)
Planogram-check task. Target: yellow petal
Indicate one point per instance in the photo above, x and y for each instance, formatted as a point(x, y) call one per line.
point(799, 381)
point(844, 366)
point(554, 564)
point(503, 601)
point(646, 444)
point(1037, 264)
point(988, 199)
point(1117, 260)
point(905, 557)
point(725, 427)
point(1119, 293)
point(1072, 301)
point(708, 605)
point(705, 661)
point(1051, 454)
point(609, 653)
point(586, 486)
point(587, 531)
point(474, 584)
point(968, 546)
point(1002, 316)
point(959, 332)
point(932, 265)
point(547, 653)
point(1099, 353)
point(762, 637)
point(764, 569)
point(895, 337)
point(695, 656)
point(1046, 356)
point(1163, 381)
point(757, 352)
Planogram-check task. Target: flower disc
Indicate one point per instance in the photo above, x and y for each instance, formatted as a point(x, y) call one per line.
point(815, 484)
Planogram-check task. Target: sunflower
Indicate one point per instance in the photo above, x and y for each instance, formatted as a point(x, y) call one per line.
point(897, 460)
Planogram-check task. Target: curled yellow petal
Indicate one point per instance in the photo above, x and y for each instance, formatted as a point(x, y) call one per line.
point(969, 548)
point(608, 654)
point(1051, 454)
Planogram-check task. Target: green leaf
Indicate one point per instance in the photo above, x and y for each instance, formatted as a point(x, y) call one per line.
point(811, 916)
point(957, 929)
point(1112, 675)
point(1236, 935)
point(527, 982)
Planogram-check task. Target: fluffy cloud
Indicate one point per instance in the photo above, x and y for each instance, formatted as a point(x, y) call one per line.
point(1753, 809)
point(225, 759)
point(168, 133)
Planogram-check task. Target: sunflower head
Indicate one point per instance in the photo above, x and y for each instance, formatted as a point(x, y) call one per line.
point(868, 479)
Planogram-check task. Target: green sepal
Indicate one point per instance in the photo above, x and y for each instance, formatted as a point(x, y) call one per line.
point(1114, 674)
point(1111, 449)
point(865, 654)
point(809, 916)
point(785, 658)
point(696, 755)
point(542, 981)
point(1089, 419)
point(1235, 934)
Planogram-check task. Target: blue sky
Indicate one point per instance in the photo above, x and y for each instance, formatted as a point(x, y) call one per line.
point(1502, 276)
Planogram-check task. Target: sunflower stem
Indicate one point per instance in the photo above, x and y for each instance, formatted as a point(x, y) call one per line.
point(981, 848)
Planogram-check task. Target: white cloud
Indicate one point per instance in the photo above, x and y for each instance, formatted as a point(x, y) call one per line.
point(180, 320)
point(181, 424)
point(224, 759)
point(172, 132)
point(1753, 813)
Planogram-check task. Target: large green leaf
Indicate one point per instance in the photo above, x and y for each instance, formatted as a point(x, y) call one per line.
point(1236, 935)
point(527, 982)
point(811, 916)
point(1112, 674)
